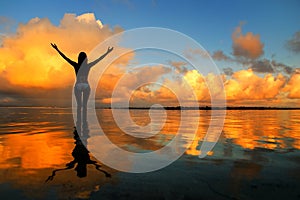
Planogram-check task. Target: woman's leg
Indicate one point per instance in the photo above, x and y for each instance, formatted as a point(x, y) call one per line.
point(86, 94)
point(78, 95)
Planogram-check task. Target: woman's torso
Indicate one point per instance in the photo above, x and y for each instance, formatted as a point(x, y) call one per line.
point(82, 73)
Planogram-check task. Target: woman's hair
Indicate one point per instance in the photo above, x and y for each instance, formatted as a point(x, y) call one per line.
point(82, 57)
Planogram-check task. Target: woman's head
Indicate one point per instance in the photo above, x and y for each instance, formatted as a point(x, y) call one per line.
point(82, 58)
point(81, 170)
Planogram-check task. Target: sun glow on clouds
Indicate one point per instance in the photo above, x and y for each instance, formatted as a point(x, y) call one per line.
point(28, 62)
point(292, 86)
point(245, 84)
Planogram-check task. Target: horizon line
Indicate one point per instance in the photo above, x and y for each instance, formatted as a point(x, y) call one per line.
point(169, 107)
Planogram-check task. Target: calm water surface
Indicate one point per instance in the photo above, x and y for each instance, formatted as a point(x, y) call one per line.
point(257, 157)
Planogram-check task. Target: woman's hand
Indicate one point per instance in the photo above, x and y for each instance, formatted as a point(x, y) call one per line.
point(54, 46)
point(109, 49)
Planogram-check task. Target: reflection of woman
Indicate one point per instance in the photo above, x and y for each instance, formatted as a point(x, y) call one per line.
point(82, 88)
point(81, 158)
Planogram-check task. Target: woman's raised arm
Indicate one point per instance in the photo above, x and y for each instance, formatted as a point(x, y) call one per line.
point(101, 57)
point(63, 55)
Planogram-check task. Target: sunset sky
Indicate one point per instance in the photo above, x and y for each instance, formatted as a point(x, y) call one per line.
point(255, 44)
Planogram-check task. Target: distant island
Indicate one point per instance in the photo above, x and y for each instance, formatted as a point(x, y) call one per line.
point(208, 108)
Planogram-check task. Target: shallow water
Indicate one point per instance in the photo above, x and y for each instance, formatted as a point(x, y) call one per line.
point(257, 156)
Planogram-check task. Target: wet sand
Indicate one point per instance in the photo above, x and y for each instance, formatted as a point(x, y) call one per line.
point(257, 157)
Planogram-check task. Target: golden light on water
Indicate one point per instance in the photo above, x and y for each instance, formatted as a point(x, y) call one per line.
point(35, 151)
point(42, 148)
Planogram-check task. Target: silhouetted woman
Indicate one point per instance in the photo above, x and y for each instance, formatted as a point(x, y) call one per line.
point(81, 158)
point(82, 88)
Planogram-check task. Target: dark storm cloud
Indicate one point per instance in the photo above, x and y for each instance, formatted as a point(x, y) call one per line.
point(294, 43)
point(228, 71)
point(220, 56)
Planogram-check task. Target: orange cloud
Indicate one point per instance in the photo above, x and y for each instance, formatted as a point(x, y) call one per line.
point(186, 90)
point(174, 91)
point(30, 68)
point(242, 87)
point(248, 45)
point(144, 96)
point(245, 84)
point(292, 86)
point(126, 84)
point(28, 60)
point(197, 82)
